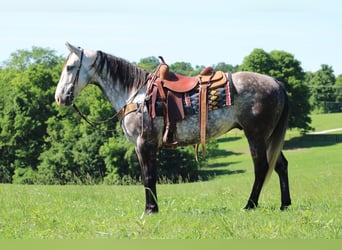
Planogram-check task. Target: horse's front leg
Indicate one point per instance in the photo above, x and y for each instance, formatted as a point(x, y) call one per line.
point(147, 154)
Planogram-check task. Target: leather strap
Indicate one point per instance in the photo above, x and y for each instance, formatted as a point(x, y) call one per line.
point(129, 108)
point(152, 102)
point(203, 115)
point(160, 87)
point(204, 108)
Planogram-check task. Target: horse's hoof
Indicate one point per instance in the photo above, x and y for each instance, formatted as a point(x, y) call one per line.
point(250, 205)
point(284, 207)
point(151, 210)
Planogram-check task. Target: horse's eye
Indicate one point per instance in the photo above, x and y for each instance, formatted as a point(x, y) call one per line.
point(70, 68)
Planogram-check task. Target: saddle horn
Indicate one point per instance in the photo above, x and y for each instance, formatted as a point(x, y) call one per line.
point(162, 59)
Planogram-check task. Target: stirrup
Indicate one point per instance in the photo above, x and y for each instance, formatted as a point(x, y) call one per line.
point(169, 140)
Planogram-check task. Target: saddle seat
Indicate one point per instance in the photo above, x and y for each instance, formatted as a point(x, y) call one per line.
point(179, 83)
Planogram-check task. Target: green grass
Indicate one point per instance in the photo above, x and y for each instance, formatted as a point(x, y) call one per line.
point(326, 121)
point(202, 210)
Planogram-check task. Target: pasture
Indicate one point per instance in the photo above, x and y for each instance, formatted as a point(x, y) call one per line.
point(202, 210)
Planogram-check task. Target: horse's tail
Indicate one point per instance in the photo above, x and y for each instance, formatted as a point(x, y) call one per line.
point(276, 140)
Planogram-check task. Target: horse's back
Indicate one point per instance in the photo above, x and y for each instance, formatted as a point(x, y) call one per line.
point(249, 81)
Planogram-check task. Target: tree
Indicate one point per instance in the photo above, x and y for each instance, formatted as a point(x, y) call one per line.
point(27, 85)
point(225, 67)
point(323, 94)
point(182, 68)
point(338, 88)
point(149, 63)
point(257, 61)
point(177, 165)
point(287, 69)
point(22, 59)
point(72, 151)
point(56, 161)
point(121, 163)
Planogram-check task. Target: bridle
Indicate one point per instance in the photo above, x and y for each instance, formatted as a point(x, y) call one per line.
point(76, 78)
point(128, 108)
point(83, 116)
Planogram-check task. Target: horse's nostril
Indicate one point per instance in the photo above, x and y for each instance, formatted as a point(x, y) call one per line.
point(58, 100)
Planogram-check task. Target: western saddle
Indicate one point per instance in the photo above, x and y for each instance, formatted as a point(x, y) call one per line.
point(170, 88)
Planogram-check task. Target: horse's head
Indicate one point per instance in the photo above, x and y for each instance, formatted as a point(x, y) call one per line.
point(76, 74)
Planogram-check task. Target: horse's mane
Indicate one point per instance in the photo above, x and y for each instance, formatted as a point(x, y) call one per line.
point(129, 74)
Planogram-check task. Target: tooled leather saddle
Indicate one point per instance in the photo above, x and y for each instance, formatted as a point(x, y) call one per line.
point(172, 90)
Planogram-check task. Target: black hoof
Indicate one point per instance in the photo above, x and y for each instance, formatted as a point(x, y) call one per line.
point(284, 207)
point(151, 210)
point(250, 205)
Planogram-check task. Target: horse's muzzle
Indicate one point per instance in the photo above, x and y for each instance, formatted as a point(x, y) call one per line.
point(65, 97)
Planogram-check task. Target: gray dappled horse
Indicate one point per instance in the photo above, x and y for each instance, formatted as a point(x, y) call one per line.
point(260, 109)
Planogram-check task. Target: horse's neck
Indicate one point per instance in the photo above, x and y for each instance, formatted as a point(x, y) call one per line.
point(116, 94)
point(120, 93)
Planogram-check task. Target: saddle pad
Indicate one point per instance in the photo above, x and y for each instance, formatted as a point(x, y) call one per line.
point(217, 98)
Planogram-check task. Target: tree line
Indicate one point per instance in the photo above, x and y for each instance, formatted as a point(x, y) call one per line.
point(43, 144)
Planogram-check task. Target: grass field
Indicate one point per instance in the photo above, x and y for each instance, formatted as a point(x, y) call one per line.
point(202, 210)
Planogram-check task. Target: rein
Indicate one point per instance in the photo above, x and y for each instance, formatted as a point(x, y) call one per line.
point(94, 123)
point(128, 108)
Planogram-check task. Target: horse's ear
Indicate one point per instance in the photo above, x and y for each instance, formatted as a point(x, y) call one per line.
point(73, 49)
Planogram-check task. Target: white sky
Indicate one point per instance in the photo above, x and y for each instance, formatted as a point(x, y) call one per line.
point(199, 32)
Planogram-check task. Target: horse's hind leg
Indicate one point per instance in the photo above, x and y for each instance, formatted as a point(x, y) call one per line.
point(147, 158)
point(258, 151)
point(281, 169)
